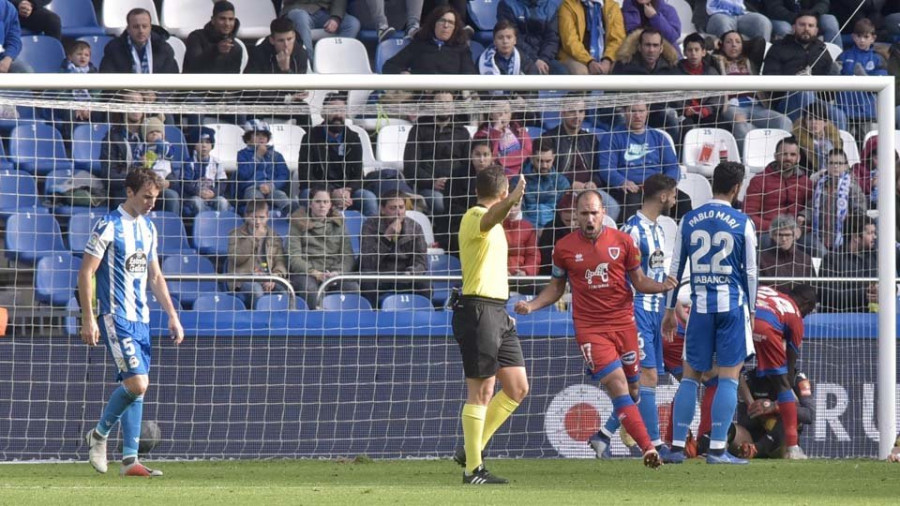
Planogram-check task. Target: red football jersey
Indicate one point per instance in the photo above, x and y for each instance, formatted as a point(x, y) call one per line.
point(778, 325)
point(597, 271)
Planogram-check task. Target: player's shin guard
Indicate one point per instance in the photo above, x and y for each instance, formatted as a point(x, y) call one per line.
point(131, 427)
point(709, 393)
point(630, 417)
point(118, 402)
point(649, 414)
point(787, 406)
point(723, 406)
point(498, 410)
point(473, 430)
point(683, 411)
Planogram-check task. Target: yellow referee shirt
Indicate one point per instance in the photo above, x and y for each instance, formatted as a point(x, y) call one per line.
point(483, 256)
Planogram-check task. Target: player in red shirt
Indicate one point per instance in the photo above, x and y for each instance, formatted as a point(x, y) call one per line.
point(595, 260)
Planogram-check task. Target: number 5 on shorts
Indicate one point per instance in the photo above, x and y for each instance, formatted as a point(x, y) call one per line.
point(128, 346)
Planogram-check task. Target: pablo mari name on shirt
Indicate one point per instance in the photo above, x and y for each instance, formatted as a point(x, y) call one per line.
point(712, 279)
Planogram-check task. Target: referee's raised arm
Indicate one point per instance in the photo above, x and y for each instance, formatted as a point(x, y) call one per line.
point(498, 212)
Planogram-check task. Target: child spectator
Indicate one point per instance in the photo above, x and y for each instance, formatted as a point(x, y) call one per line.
point(203, 177)
point(502, 57)
point(157, 154)
point(695, 63)
point(862, 59)
point(253, 248)
point(510, 142)
point(262, 172)
point(78, 61)
point(545, 185)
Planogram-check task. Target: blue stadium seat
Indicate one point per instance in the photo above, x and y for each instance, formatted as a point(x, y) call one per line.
point(80, 226)
point(406, 302)
point(87, 140)
point(386, 50)
point(188, 291)
point(218, 302)
point(5, 164)
point(278, 302)
point(31, 236)
point(483, 14)
point(281, 227)
point(443, 265)
point(172, 236)
point(78, 17)
point(154, 305)
point(534, 132)
point(353, 222)
point(37, 148)
point(180, 152)
point(73, 311)
point(476, 48)
point(345, 302)
point(55, 278)
point(211, 229)
point(18, 193)
point(43, 53)
point(98, 47)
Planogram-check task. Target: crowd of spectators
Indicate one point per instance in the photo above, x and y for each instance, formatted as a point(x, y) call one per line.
point(810, 204)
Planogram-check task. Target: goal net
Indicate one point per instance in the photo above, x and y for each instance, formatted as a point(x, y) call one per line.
point(307, 233)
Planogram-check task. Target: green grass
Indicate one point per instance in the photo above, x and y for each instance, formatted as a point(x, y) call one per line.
point(534, 482)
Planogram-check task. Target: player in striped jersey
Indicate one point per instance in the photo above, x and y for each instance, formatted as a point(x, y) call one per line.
point(720, 244)
point(659, 196)
point(121, 251)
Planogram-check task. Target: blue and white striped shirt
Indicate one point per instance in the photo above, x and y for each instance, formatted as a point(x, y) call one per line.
point(720, 244)
point(126, 245)
point(650, 239)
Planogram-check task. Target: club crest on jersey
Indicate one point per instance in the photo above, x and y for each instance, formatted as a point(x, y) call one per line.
point(579, 257)
point(134, 362)
point(602, 272)
point(136, 263)
point(614, 252)
point(657, 259)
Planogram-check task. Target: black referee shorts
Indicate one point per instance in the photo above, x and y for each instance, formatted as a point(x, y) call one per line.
point(486, 335)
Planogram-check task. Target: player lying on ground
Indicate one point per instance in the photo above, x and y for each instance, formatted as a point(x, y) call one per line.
point(595, 261)
point(122, 252)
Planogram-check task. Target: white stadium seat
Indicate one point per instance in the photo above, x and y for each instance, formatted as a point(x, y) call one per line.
point(340, 55)
point(697, 187)
point(229, 140)
point(694, 142)
point(759, 147)
point(391, 145)
point(179, 49)
point(114, 12)
point(850, 147)
point(255, 16)
point(368, 155)
point(287, 139)
point(181, 17)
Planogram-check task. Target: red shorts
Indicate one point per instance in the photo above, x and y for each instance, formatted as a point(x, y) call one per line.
point(604, 351)
point(673, 355)
point(771, 352)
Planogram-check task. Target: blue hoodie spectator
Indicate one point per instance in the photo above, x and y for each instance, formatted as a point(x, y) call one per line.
point(871, 62)
point(545, 188)
point(258, 165)
point(11, 33)
point(536, 21)
point(632, 156)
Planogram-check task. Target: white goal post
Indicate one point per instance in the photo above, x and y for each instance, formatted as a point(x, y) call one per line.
point(882, 86)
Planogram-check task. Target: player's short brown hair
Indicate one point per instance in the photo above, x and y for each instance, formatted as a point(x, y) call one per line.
point(137, 178)
point(491, 182)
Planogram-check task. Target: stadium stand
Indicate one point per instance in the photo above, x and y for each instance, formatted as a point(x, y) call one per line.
point(345, 302)
point(18, 194)
point(114, 12)
point(759, 147)
point(339, 55)
point(188, 291)
point(172, 237)
point(211, 229)
point(255, 16)
point(31, 236)
point(78, 18)
point(86, 144)
point(98, 46)
point(37, 148)
point(278, 302)
point(55, 277)
point(406, 302)
point(181, 17)
point(218, 302)
point(179, 49)
point(43, 53)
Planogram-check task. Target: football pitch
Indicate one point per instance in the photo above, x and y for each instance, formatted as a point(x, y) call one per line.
point(437, 482)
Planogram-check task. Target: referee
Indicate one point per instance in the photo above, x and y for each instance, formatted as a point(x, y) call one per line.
point(485, 332)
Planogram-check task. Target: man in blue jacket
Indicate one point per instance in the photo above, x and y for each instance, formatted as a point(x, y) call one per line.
point(11, 35)
point(538, 32)
point(262, 173)
point(545, 185)
point(630, 154)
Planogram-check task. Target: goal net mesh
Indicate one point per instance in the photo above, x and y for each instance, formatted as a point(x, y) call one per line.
point(314, 359)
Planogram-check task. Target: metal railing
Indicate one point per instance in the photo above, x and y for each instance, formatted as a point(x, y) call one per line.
point(238, 277)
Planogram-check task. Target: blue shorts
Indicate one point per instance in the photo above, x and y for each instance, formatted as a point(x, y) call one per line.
point(129, 344)
point(726, 335)
point(649, 325)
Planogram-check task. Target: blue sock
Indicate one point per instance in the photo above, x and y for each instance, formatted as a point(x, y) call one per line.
point(118, 402)
point(611, 426)
point(683, 408)
point(724, 404)
point(131, 428)
point(647, 407)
